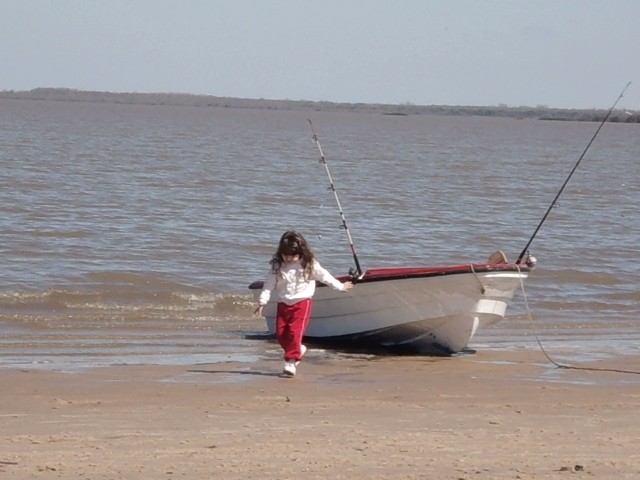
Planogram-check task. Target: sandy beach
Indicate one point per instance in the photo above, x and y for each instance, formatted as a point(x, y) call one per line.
point(491, 415)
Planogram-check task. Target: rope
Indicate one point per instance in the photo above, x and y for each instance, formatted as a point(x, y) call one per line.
point(482, 289)
point(560, 365)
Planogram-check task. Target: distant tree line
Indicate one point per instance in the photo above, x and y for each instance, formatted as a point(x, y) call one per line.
point(181, 99)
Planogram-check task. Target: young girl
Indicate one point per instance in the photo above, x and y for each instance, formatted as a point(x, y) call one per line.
point(292, 278)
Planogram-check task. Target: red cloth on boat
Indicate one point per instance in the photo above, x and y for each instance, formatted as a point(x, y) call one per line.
point(291, 322)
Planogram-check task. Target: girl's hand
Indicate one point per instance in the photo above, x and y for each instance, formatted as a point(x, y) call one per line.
point(259, 310)
point(348, 285)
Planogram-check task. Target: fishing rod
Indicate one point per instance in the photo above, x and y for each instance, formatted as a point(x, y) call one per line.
point(358, 272)
point(526, 248)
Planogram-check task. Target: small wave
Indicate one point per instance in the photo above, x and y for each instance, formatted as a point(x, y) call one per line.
point(62, 234)
point(583, 277)
point(591, 306)
point(120, 300)
point(139, 280)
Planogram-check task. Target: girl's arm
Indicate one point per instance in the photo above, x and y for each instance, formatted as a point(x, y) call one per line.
point(323, 275)
point(265, 294)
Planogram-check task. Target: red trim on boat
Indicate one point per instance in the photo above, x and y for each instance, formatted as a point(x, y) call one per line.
point(382, 274)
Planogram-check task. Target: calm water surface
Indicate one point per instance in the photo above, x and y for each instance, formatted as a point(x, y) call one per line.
point(130, 233)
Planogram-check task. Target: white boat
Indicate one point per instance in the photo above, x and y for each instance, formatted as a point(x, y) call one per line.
point(427, 310)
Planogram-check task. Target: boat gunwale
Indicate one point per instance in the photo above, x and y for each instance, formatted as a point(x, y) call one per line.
point(401, 273)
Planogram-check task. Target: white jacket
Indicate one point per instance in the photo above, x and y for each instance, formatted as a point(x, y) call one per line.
point(290, 286)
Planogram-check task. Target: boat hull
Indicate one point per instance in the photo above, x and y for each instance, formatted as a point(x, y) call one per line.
point(424, 310)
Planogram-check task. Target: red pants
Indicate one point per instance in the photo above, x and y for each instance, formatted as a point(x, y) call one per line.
point(291, 322)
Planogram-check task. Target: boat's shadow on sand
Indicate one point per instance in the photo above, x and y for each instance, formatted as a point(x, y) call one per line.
point(363, 348)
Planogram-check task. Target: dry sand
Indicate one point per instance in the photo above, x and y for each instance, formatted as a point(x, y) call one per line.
point(492, 415)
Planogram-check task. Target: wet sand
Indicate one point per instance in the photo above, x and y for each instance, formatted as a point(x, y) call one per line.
point(492, 415)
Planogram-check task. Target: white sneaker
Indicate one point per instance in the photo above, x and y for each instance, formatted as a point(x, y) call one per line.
point(289, 369)
point(303, 350)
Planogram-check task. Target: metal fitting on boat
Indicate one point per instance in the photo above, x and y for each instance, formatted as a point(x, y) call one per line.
point(531, 261)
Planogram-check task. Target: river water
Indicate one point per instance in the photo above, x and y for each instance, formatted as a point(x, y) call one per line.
point(131, 232)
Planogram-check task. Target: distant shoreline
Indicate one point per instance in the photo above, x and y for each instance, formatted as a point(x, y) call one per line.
point(191, 100)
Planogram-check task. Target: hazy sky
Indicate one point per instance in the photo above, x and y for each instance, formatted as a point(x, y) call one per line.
point(558, 53)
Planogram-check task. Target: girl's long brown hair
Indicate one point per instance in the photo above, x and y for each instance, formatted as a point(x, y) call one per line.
point(293, 243)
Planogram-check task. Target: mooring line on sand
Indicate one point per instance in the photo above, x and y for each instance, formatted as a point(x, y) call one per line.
point(557, 364)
